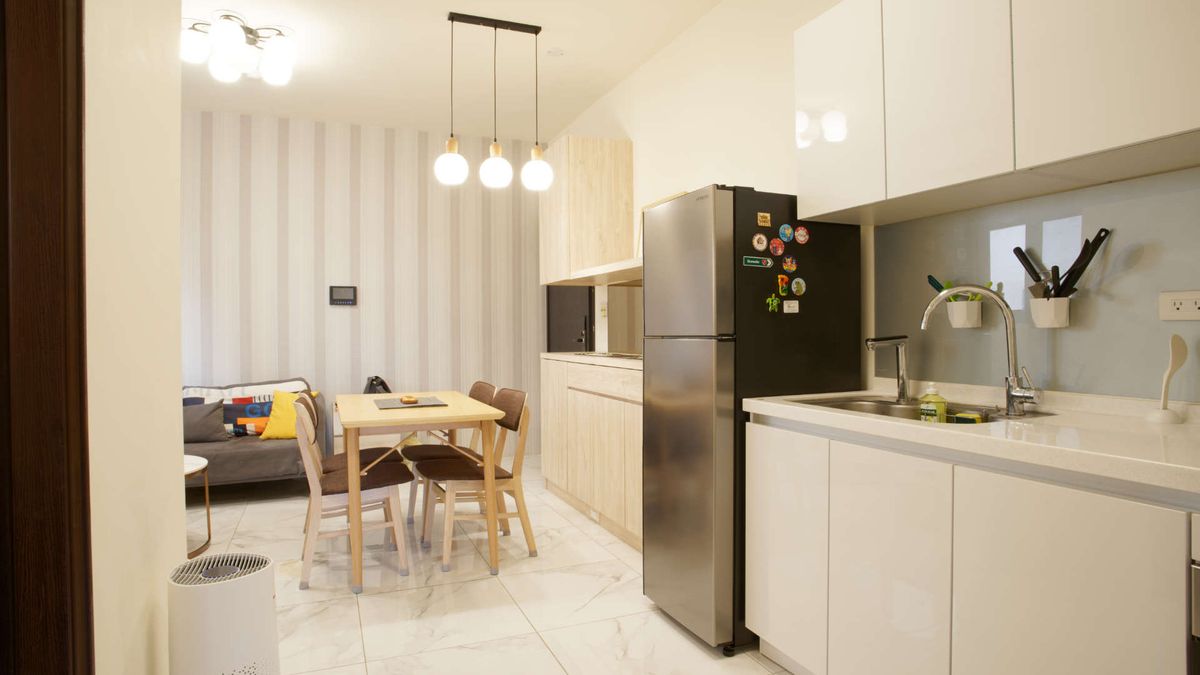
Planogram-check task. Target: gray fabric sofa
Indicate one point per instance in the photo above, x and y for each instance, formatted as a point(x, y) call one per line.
point(250, 459)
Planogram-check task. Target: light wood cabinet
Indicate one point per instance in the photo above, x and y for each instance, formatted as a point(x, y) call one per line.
point(948, 91)
point(1049, 579)
point(889, 562)
point(585, 219)
point(631, 427)
point(554, 421)
point(787, 543)
point(593, 448)
point(839, 71)
point(1089, 75)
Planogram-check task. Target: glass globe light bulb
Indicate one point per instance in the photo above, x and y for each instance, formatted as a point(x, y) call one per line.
point(451, 168)
point(226, 31)
point(278, 58)
point(495, 172)
point(537, 174)
point(225, 66)
point(193, 46)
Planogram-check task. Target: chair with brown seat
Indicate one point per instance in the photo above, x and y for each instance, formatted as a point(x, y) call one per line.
point(380, 489)
point(480, 391)
point(461, 478)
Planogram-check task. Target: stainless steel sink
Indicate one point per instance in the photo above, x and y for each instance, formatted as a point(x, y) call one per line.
point(890, 408)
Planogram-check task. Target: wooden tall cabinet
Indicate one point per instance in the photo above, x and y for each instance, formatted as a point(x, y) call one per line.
point(585, 219)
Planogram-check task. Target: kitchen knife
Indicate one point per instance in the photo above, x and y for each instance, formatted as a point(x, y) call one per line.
point(937, 285)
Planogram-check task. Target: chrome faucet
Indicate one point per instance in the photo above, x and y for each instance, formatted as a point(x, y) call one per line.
point(900, 342)
point(1017, 392)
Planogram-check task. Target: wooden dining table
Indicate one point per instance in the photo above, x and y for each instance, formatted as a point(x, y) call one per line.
point(360, 416)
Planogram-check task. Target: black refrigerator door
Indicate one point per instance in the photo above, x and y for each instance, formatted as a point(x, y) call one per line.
point(798, 316)
point(569, 326)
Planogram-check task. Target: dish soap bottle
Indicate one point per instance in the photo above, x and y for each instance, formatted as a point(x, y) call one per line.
point(933, 406)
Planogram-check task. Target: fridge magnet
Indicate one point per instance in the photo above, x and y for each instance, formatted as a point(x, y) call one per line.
point(798, 286)
point(791, 306)
point(759, 241)
point(783, 284)
point(801, 235)
point(764, 219)
point(789, 263)
point(757, 261)
point(786, 232)
point(776, 246)
point(773, 303)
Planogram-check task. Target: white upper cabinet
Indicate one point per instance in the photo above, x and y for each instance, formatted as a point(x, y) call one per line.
point(839, 109)
point(1090, 75)
point(948, 88)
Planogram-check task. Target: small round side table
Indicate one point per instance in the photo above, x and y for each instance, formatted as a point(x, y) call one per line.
point(193, 465)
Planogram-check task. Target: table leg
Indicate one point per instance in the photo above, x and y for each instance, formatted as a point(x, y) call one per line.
point(488, 429)
point(354, 506)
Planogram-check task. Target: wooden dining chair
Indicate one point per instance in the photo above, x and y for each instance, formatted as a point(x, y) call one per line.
point(380, 489)
point(453, 479)
point(481, 391)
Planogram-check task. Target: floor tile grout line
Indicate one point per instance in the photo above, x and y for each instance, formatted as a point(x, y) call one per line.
point(536, 631)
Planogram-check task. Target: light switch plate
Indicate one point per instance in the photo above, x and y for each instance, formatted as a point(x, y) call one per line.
point(1179, 305)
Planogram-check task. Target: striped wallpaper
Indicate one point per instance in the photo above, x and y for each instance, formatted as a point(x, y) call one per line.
point(276, 210)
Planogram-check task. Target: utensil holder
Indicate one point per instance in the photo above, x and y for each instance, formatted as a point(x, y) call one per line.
point(1050, 312)
point(964, 313)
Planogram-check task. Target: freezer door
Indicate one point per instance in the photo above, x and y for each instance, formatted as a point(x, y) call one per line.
point(688, 483)
point(688, 265)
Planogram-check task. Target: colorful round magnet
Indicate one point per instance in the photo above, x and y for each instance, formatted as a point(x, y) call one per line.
point(789, 263)
point(798, 286)
point(759, 241)
point(801, 235)
point(776, 246)
point(786, 232)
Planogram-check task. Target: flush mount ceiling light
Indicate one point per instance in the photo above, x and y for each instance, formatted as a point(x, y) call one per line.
point(232, 48)
point(495, 172)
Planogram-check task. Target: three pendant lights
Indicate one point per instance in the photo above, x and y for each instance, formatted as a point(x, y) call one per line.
point(495, 172)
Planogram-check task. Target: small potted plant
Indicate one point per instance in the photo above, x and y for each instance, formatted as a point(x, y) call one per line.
point(964, 308)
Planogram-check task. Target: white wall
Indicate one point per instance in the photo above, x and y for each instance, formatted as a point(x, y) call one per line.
point(713, 106)
point(131, 147)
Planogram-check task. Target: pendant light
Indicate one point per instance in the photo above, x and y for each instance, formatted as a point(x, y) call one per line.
point(537, 174)
point(451, 168)
point(495, 172)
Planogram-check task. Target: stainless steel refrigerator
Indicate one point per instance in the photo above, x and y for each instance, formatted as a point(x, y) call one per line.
point(740, 301)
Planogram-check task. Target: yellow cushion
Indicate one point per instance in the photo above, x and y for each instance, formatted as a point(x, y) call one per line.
point(282, 423)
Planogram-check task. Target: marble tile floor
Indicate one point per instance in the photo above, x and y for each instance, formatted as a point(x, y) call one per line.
point(576, 608)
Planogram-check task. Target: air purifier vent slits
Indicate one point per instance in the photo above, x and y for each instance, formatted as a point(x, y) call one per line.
point(215, 569)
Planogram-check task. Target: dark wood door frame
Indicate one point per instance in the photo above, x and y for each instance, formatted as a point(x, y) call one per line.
point(45, 571)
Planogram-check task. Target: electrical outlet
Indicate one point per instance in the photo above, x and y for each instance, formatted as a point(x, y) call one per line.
point(1179, 305)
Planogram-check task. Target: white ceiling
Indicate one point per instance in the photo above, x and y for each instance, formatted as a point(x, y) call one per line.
point(387, 61)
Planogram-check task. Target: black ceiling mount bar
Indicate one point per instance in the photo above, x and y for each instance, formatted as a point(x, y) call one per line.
point(500, 24)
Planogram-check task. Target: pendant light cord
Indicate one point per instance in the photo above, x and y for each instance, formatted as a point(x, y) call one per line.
point(537, 124)
point(495, 138)
point(451, 79)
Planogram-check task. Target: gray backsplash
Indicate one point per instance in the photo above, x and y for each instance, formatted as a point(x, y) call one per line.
point(1115, 344)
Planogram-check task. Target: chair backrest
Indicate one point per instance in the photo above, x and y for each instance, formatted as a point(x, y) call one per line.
point(511, 402)
point(306, 438)
point(483, 392)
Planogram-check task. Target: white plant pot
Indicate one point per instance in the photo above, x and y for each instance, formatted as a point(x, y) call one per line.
point(1050, 312)
point(964, 313)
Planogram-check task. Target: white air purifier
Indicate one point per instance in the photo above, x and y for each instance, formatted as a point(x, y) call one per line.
point(222, 616)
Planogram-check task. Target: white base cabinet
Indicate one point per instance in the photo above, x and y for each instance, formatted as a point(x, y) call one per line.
point(862, 561)
point(1059, 581)
point(787, 543)
point(889, 562)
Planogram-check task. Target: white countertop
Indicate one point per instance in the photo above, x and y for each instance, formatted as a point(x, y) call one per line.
point(1111, 447)
point(595, 360)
